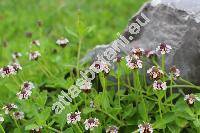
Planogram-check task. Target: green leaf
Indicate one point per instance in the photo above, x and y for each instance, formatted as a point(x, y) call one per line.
point(181, 122)
point(31, 126)
point(197, 123)
point(129, 111)
point(142, 110)
point(167, 118)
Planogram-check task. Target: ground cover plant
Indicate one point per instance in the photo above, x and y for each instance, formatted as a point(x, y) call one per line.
point(136, 94)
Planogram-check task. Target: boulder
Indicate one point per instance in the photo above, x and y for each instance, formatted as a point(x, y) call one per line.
point(175, 22)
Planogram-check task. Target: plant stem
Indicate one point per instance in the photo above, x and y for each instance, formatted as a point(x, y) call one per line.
point(185, 81)
point(53, 129)
point(78, 56)
point(42, 69)
point(160, 110)
point(17, 125)
point(118, 121)
point(79, 130)
point(118, 84)
point(163, 63)
point(171, 91)
point(14, 79)
point(2, 129)
point(184, 86)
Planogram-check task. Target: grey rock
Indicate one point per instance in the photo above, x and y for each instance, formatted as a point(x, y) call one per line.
point(175, 22)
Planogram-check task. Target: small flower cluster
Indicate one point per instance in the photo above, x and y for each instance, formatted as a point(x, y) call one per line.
point(34, 55)
point(62, 42)
point(191, 99)
point(36, 43)
point(112, 129)
point(73, 118)
point(150, 54)
point(174, 72)
point(137, 53)
point(10, 70)
point(26, 90)
point(145, 128)
point(163, 48)
point(133, 60)
point(10, 109)
point(18, 115)
point(91, 123)
point(84, 85)
point(100, 66)
point(133, 63)
point(15, 56)
point(155, 73)
point(37, 130)
point(1, 118)
point(159, 85)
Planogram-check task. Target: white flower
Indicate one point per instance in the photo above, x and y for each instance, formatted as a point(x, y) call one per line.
point(112, 129)
point(92, 104)
point(16, 66)
point(34, 55)
point(155, 73)
point(175, 72)
point(100, 66)
point(118, 58)
point(191, 98)
point(163, 48)
point(106, 68)
point(96, 66)
point(150, 54)
point(137, 52)
point(1, 118)
point(18, 115)
point(73, 117)
point(133, 63)
point(62, 42)
point(37, 129)
point(145, 128)
point(158, 85)
point(9, 107)
point(16, 55)
point(84, 85)
point(24, 94)
point(7, 71)
point(27, 85)
point(91, 123)
point(36, 42)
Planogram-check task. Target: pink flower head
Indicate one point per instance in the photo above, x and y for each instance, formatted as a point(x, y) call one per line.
point(34, 55)
point(9, 107)
point(175, 72)
point(155, 73)
point(112, 129)
point(145, 128)
point(150, 54)
point(133, 63)
point(163, 48)
point(84, 85)
point(18, 115)
point(191, 98)
point(158, 85)
point(137, 52)
point(73, 117)
point(91, 123)
point(7, 71)
point(62, 42)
